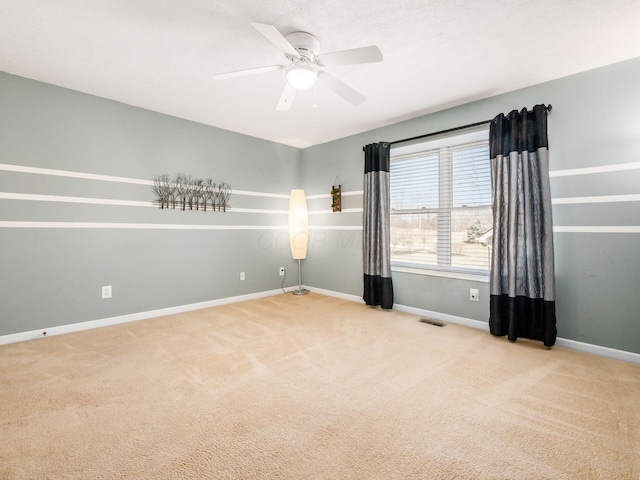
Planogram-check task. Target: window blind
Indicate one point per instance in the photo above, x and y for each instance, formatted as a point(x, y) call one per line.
point(441, 206)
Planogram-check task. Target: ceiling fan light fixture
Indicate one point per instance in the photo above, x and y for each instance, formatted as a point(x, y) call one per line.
point(301, 77)
point(304, 65)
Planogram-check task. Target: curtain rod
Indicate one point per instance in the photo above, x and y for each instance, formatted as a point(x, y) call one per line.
point(448, 130)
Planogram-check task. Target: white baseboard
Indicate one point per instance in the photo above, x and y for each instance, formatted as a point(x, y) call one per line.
point(468, 322)
point(133, 317)
point(560, 342)
point(598, 350)
point(331, 293)
point(444, 317)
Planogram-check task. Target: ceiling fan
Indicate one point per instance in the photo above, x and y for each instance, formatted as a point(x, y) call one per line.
point(306, 65)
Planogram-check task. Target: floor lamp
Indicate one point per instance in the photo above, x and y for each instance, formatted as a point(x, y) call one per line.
point(298, 232)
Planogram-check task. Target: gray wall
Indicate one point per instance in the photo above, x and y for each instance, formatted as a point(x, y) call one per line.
point(53, 276)
point(594, 122)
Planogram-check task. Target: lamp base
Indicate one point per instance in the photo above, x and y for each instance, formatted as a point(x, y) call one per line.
point(300, 290)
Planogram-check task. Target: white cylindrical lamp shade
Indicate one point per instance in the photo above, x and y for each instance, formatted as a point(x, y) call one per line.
point(298, 224)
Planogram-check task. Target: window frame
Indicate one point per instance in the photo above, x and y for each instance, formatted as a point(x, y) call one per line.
point(424, 147)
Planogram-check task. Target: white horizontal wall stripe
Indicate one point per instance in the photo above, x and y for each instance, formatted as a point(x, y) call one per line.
point(335, 227)
point(65, 199)
point(138, 181)
point(161, 226)
point(316, 197)
point(326, 212)
point(111, 178)
point(596, 199)
point(596, 229)
point(142, 226)
point(110, 201)
point(556, 229)
point(589, 170)
point(67, 173)
point(328, 195)
point(135, 203)
point(257, 210)
point(259, 194)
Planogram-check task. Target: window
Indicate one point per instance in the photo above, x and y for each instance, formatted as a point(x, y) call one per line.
point(441, 215)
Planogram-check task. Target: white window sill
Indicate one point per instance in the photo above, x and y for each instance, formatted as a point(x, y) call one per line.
point(442, 273)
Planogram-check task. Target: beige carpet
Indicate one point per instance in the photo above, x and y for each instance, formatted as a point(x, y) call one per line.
point(311, 388)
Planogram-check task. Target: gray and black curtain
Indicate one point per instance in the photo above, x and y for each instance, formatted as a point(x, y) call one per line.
point(522, 283)
point(376, 241)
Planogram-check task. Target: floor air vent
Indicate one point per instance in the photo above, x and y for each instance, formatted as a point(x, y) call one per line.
point(431, 321)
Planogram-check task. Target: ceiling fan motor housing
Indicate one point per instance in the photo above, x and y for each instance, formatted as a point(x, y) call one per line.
point(307, 46)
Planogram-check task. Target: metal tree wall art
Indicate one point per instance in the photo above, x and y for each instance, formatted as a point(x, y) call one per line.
point(208, 192)
point(185, 192)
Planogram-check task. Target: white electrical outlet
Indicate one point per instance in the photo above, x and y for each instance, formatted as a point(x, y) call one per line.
point(106, 291)
point(473, 294)
point(282, 271)
point(241, 276)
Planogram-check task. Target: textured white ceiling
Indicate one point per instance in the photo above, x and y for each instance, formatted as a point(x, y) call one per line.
point(162, 54)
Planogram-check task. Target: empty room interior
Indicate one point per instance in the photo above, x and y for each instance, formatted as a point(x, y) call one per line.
point(323, 240)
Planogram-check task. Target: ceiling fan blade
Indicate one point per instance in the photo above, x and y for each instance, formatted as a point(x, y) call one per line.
point(370, 54)
point(274, 36)
point(249, 71)
point(286, 99)
point(341, 89)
